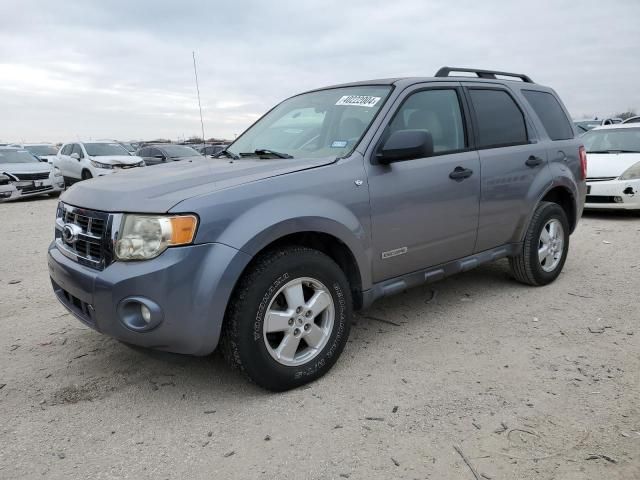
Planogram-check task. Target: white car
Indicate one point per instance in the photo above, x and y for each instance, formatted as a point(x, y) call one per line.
point(84, 160)
point(613, 167)
point(24, 175)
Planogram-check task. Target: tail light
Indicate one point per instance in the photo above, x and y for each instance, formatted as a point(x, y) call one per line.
point(583, 162)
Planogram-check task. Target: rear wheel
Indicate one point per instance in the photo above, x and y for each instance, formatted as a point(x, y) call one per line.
point(545, 246)
point(289, 318)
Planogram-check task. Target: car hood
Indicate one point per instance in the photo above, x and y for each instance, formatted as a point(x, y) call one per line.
point(609, 164)
point(35, 167)
point(156, 189)
point(117, 159)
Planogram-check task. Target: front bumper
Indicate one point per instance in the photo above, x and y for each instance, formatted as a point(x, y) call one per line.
point(25, 189)
point(190, 284)
point(613, 195)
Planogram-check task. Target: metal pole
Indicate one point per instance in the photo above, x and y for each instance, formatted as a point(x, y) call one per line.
point(195, 70)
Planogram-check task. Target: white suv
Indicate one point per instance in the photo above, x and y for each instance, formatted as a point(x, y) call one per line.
point(84, 160)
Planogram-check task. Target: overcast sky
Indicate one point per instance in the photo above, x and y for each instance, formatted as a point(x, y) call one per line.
point(123, 69)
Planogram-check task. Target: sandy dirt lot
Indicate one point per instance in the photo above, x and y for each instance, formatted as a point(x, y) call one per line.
point(528, 383)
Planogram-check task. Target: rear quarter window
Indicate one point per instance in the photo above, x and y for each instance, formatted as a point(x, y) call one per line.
point(550, 113)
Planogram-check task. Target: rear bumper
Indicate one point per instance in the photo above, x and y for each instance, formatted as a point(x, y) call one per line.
point(613, 195)
point(191, 285)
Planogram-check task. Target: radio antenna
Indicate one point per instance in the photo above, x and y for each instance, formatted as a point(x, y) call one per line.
point(195, 71)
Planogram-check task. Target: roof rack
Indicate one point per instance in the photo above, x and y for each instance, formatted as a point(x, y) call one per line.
point(491, 74)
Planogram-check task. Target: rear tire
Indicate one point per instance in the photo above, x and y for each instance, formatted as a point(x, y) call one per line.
point(545, 246)
point(271, 331)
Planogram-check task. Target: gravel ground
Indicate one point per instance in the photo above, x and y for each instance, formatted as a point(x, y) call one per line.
point(528, 383)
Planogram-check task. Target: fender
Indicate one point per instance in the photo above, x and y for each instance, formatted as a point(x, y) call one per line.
point(275, 218)
point(558, 181)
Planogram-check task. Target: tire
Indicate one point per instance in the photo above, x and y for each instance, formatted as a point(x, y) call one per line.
point(86, 175)
point(527, 267)
point(252, 344)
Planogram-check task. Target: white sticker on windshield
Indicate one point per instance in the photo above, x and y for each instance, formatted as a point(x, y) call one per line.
point(358, 100)
point(339, 144)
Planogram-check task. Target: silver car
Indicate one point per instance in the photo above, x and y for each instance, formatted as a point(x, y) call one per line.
point(22, 175)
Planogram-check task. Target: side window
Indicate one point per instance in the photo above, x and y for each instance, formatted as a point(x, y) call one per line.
point(439, 113)
point(500, 121)
point(156, 152)
point(143, 152)
point(76, 149)
point(550, 113)
point(66, 150)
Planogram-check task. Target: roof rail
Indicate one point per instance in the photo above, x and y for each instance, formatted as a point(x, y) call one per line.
point(491, 74)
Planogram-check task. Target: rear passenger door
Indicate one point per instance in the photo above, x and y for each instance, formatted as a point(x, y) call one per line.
point(512, 160)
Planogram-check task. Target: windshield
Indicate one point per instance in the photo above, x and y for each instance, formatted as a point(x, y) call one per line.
point(180, 151)
point(325, 123)
point(42, 150)
point(17, 156)
point(128, 147)
point(105, 149)
point(612, 140)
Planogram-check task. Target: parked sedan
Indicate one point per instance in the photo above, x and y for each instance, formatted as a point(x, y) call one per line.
point(22, 175)
point(163, 153)
point(613, 158)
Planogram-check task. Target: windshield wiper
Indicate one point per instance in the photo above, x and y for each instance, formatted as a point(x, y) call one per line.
point(265, 151)
point(227, 153)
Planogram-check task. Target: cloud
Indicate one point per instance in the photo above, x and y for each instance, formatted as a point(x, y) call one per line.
point(122, 69)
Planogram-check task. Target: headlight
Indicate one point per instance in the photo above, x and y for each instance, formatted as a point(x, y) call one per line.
point(57, 172)
point(143, 237)
point(4, 180)
point(631, 173)
point(101, 165)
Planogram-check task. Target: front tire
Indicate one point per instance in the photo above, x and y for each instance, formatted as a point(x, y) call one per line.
point(545, 246)
point(289, 318)
point(86, 175)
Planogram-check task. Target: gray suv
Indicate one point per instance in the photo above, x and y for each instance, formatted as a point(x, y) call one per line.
point(333, 199)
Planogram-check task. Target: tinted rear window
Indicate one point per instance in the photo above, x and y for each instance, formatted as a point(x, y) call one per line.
point(500, 121)
point(550, 113)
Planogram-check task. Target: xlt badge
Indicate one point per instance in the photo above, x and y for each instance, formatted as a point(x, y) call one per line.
point(394, 253)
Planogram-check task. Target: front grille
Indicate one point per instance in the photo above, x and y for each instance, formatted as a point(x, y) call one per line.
point(31, 176)
point(600, 199)
point(92, 244)
point(600, 179)
point(34, 189)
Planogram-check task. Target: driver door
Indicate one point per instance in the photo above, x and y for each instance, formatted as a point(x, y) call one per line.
point(75, 165)
point(422, 217)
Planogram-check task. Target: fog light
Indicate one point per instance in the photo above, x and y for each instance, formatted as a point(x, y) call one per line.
point(140, 314)
point(617, 199)
point(146, 313)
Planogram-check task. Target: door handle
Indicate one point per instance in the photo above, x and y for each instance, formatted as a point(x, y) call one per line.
point(533, 161)
point(460, 173)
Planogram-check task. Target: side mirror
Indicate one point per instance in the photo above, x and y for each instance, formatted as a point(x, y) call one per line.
point(42, 159)
point(405, 145)
point(75, 156)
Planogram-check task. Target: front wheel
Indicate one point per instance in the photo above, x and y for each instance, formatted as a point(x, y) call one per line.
point(86, 175)
point(545, 246)
point(289, 318)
